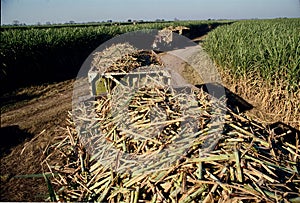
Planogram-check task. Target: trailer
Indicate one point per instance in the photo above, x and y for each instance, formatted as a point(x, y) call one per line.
point(147, 68)
point(103, 83)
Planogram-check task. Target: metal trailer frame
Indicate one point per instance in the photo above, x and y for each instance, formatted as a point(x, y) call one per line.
point(132, 78)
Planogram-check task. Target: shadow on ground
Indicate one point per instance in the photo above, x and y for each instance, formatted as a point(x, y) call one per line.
point(285, 132)
point(234, 102)
point(12, 136)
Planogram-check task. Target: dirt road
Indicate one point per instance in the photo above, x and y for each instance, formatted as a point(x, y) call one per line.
point(27, 126)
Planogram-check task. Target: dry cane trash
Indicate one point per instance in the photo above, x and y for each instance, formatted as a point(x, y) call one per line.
point(205, 152)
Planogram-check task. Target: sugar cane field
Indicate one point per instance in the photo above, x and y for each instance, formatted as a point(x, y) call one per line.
point(252, 157)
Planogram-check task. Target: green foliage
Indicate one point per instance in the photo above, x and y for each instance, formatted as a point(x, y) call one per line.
point(37, 53)
point(269, 48)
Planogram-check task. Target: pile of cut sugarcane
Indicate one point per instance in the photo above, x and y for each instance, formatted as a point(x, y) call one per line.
point(164, 144)
point(123, 57)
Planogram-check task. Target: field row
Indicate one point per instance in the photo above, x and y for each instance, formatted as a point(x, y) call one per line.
point(30, 54)
point(266, 48)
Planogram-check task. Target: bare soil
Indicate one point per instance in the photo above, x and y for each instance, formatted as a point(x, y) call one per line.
point(30, 118)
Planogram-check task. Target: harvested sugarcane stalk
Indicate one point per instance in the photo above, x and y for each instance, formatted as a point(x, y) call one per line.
point(258, 177)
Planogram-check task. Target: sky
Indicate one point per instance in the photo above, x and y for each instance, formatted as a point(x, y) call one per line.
point(61, 11)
